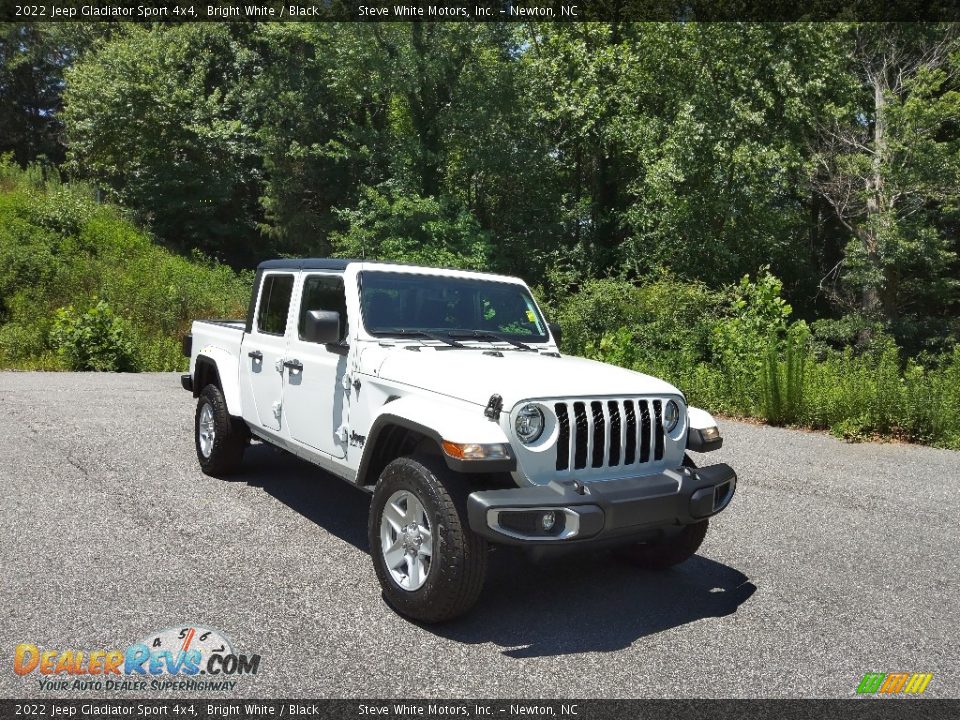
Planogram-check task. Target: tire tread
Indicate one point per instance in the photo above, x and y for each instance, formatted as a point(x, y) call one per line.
point(231, 438)
point(456, 587)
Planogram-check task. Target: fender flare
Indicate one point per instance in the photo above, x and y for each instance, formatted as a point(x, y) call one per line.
point(229, 383)
point(437, 421)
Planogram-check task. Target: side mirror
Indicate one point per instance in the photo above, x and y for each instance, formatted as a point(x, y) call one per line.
point(322, 326)
point(556, 332)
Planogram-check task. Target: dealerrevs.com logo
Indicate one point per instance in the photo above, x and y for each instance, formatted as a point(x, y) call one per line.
point(894, 683)
point(172, 659)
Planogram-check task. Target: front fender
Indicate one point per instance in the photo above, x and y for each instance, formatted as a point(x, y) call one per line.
point(702, 432)
point(700, 419)
point(225, 365)
point(438, 420)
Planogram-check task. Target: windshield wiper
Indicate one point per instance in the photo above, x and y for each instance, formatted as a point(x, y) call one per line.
point(488, 335)
point(407, 332)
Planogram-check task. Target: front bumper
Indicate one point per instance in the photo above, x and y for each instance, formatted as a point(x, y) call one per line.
point(601, 511)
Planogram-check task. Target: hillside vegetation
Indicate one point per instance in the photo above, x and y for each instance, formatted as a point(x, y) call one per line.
point(83, 288)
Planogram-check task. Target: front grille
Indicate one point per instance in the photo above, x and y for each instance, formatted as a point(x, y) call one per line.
point(608, 433)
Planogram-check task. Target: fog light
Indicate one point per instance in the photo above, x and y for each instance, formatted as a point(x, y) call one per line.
point(547, 521)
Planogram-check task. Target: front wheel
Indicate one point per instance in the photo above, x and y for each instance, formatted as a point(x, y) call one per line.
point(430, 565)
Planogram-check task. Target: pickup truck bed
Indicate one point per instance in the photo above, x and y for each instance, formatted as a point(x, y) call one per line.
point(227, 334)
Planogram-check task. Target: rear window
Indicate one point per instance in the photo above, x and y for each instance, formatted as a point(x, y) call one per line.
point(274, 304)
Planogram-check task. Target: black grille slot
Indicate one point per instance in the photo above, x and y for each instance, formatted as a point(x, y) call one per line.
point(614, 409)
point(608, 433)
point(658, 447)
point(630, 451)
point(563, 436)
point(644, 431)
point(580, 440)
point(599, 424)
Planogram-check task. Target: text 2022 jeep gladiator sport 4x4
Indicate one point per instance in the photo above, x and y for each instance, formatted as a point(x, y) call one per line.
point(444, 394)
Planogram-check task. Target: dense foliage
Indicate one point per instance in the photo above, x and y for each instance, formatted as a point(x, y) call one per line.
point(737, 351)
point(634, 173)
point(83, 288)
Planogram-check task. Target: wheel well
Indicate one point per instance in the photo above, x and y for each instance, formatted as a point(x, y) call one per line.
point(205, 373)
point(395, 441)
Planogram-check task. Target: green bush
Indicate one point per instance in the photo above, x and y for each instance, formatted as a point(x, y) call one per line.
point(59, 248)
point(739, 354)
point(665, 317)
point(94, 340)
point(782, 381)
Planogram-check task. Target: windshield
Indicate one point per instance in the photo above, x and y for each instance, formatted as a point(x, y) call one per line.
point(463, 307)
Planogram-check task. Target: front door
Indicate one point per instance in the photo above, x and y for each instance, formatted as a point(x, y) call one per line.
point(316, 404)
point(264, 349)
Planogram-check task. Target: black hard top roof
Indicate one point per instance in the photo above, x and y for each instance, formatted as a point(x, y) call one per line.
point(305, 264)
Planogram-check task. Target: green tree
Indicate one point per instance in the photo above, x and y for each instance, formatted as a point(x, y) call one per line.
point(317, 127)
point(33, 58)
point(154, 116)
point(888, 164)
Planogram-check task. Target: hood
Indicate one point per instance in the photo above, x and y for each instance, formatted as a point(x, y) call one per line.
point(468, 374)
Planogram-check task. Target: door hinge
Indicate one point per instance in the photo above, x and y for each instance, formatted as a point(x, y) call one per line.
point(343, 432)
point(277, 409)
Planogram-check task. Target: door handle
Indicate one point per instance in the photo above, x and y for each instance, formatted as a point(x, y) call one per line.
point(256, 355)
point(293, 365)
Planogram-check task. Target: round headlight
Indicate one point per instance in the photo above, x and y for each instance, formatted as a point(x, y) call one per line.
point(671, 416)
point(529, 424)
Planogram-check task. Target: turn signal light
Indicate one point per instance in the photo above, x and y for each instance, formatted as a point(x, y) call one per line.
point(475, 451)
point(710, 433)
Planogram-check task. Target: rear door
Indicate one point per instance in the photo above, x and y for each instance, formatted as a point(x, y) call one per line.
point(316, 404)
point(264, 349)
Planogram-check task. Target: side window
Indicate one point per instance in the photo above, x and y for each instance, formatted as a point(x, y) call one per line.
point(274, 304)
point(323, 292)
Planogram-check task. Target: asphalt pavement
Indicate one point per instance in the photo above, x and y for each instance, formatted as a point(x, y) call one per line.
point(833, 560)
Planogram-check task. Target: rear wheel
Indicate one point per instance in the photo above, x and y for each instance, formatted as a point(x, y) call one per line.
point(669, 551)
point(430, 565)
point(220, 438)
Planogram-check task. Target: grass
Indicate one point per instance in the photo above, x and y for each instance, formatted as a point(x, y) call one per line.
point(63, 252)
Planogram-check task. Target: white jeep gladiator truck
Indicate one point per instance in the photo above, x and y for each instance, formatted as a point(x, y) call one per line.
point(444, 394)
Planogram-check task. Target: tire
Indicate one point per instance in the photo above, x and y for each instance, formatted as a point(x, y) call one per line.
point(219, 454)
point(664, 554)
point(427, 587)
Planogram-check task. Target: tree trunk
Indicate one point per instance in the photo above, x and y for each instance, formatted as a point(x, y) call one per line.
point(876, 208)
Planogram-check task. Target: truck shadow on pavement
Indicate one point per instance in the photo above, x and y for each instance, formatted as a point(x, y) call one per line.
point(581, 603)
point(591, 603)
point(334, 505)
